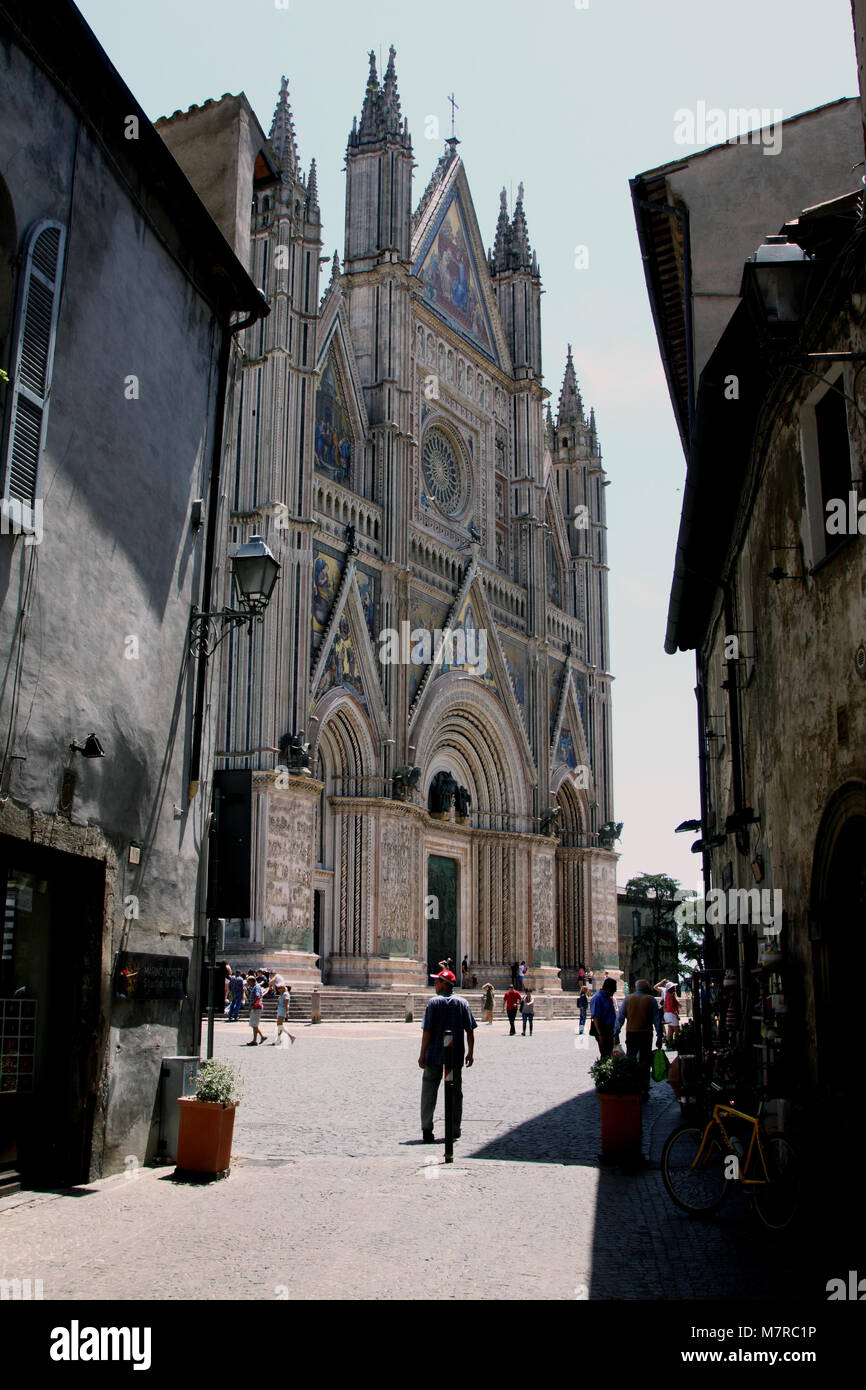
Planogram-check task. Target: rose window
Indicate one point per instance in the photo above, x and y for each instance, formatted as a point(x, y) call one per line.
point(445, 473)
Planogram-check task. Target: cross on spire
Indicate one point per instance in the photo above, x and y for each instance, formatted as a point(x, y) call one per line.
point(454, 109)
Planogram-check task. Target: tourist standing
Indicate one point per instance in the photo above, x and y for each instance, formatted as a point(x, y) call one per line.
point(487, 1002)
point(671, 1012)
point(603, 1016)
point(446, 1013)
point(236, 997)
point(521, 974)
point(640, 1014)
point(511, 1004)
point(283, 1001)
point(527, 1009)
point(255, 999)
point(582, 1006)
point(464, 968)
point(514, 968)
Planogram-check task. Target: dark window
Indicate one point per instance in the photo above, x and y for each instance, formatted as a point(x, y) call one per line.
point(834, 455)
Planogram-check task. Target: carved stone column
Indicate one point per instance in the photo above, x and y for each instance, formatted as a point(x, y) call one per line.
point(604, 936)
point(285, 860)
point(544, 971)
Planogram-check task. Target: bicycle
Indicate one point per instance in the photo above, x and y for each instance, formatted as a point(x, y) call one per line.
point(699, 1165)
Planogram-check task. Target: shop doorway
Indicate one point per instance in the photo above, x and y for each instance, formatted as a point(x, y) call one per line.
point(442, 930)
point(50, 1028)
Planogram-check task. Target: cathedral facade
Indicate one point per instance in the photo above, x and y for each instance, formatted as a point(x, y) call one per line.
point(426, 711)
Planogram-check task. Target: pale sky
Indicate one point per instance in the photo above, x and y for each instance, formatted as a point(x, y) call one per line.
point(573, 101)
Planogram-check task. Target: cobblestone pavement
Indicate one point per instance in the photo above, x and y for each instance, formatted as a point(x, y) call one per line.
point(329, 1166)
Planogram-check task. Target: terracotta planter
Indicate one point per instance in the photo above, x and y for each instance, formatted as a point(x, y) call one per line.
point(204, 1143)
point(620, 1125)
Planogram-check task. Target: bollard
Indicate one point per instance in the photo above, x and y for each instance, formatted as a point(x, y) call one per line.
point(316, 1007)
point(447, 1054)
point(410, 1009)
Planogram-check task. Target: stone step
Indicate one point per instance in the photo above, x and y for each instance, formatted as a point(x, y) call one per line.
point(10, 1182)
point(380, 1006)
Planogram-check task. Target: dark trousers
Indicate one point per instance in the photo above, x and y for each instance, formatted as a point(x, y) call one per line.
point(512, 1014)
point(639, 1046)
point(527, 1018)
point(604, 1038)
point(430, 1083)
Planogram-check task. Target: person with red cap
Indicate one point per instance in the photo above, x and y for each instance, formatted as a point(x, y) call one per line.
point(444, 1014)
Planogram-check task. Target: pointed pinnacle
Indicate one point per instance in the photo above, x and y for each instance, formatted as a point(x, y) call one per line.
point(282, 136)
point(370, 110)
point(502, 244)
point(313, 187)
point(391, 96)
point(520, 231)
point(335, 267)
point(570, 403)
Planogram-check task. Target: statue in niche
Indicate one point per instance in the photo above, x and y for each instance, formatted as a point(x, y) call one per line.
point(550, 821)
point(462, 803)
point(443, 790)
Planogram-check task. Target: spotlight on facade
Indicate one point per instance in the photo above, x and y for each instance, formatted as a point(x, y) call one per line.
point(685, 825)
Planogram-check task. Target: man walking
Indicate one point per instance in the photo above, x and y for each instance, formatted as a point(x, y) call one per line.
point(511, 1001)
point(446, 1013)
point(603, 1015)
point(640, 1014)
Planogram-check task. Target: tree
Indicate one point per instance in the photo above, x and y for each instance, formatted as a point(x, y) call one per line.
point(690, 941)
point(658, 937)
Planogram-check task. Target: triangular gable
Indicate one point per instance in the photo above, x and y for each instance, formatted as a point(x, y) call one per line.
point(450, 261)
point(568, 742)
point(347, 659)
point(341, 417)
point(471, 613)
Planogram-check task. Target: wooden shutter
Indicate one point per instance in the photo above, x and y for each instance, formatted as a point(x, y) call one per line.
point(33, 360)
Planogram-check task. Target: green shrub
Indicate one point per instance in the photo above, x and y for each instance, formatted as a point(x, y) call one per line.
point(616, 1075)
point(219, 1083)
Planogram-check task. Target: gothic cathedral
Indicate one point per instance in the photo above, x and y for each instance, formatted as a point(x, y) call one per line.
point(427, 709)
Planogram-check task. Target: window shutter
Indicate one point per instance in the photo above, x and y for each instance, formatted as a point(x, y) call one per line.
point(32, 361)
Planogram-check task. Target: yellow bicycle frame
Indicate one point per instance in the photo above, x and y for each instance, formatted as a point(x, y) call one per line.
point(754, 1143)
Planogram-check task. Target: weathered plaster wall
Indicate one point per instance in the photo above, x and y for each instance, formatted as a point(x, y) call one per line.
point(118, 559)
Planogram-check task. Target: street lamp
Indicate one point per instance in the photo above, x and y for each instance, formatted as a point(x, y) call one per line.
point(775, 281)
point(254, 573)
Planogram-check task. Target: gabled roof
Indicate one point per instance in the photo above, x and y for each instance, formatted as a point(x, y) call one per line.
point(449, 190)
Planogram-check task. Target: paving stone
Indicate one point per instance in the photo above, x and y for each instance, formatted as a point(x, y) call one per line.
point(327, 1161)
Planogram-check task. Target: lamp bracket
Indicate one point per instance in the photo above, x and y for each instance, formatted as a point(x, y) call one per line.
point(207, 631)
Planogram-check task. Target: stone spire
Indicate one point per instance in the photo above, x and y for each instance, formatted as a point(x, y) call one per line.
point(549, 436)
point(570, 403)
point(312, 190)
point(521, 250)
point(594, 447)
point(390, 96)
point(335, 267)
point(282, 136)
point(369, 126)
point(499, 259)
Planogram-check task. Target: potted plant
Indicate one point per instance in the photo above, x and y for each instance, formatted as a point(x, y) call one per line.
point(207, 1120)
point(618, 1083)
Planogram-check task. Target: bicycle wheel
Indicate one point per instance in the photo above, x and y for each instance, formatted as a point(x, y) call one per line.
point(695, 1190)
point(776, 1204)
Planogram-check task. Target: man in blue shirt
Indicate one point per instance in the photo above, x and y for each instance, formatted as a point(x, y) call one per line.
point(444, 1014)
point(603, 1015)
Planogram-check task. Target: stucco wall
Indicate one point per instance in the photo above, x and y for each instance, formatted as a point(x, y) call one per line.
point(118, 559)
